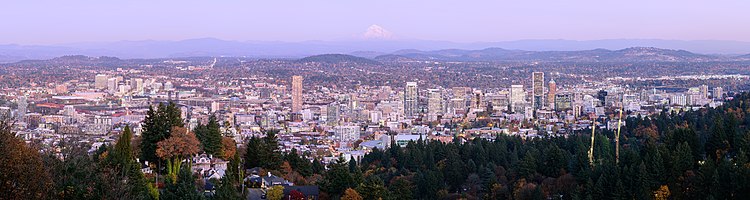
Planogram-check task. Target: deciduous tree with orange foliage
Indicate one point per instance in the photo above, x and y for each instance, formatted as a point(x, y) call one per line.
point(22, 175)
point(180, 144)
point(351, 194)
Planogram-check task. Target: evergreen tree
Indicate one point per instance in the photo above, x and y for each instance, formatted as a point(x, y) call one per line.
point(157, 127)
point(373, 188)
point(253, 152)
point(227, 191)
point(211, 138)
point(181, 189)
point(337, 179)
point(400, 188)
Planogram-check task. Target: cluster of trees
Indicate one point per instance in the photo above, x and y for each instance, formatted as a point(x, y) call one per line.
point(114, 172)
point(701, 154)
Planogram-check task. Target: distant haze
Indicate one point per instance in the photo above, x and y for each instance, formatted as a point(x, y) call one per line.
point(50, 22)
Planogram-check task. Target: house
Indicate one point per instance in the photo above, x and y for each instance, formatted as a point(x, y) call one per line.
point(209, 167)
point(269, 181)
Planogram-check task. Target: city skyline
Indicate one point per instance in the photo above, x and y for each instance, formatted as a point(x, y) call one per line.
point(365, 100)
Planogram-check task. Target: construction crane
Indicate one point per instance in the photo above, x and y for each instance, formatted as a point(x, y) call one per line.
point(591, 150)
point(617, 139)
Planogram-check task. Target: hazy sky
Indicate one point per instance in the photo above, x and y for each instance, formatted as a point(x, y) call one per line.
point(51, 22)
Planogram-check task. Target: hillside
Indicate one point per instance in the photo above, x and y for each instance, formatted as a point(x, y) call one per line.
point(338, 58)
point(633, 54)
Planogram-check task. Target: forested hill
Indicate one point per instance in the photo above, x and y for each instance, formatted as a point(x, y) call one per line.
point(693, 155)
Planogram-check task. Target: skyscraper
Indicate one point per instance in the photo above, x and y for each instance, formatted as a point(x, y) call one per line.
point(434, 104)
point(139, 85)
point(100, 81)
point(718, 93)
point(704, 91)
point(551, 93)
point(410, 99)
point(517, 96)
point(538, 90)
point(22, 107)
point(332, 113)
point(296, 93)
point(112, 85)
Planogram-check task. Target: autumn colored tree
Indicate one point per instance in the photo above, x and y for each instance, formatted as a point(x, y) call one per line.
point(275, 193)
point(229, 147)
point(157, 127)
point(22, 175)
point(181, 144)
point(351, 194)
point(296, 195)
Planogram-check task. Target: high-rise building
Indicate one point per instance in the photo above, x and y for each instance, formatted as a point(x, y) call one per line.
point(332, 113)
point(537, 100)
point(563, 102)
point(551, 93)
point(139, 85)
point(348, 133)
point(411, 99)
point(100, 81)
point(476, 99)
point(458, 106)
point(112, 85)
point(22, 107)
point(703, 89)
point(296, 93)
point(718, 93)
point(517, 98)
point(434, 103)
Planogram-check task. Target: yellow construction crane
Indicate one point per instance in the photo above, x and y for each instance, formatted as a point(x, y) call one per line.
point(591, 150)
point(617, 139)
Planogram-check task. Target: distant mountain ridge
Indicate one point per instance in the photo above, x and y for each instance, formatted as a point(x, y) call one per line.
point(338, 58)
point(367, 49)
point(637, 54)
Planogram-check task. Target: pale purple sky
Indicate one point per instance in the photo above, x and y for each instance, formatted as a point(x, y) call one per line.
point(53, 22)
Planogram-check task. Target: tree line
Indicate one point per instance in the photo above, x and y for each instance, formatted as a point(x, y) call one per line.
point(700, 154)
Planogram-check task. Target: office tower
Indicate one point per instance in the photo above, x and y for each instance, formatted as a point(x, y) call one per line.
point(563, 102)
point(411, 99)
point(434, 103)
point(100, 81)
point(22, 107)
point(551, 93)
point(476, 99)
point(112, 85)
point(537, 100)
point(517, 96)
point(703, 89)
point(458, 106)
point(602, 96)
point(718, 93)
point(678, 99)
point(332, 113)
point(296, 93)
point(349, 133)
point(139, 85)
